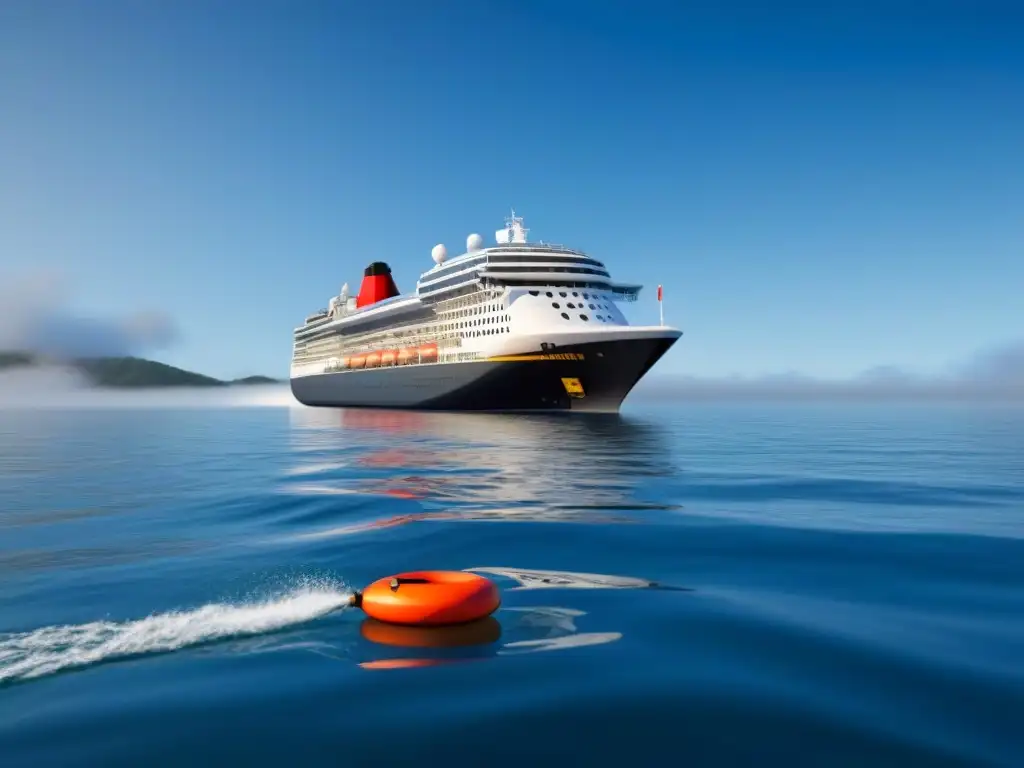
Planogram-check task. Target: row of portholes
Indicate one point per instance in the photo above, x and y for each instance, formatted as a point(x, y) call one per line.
point(572, 305)
point(585, 318)
point(565, 295)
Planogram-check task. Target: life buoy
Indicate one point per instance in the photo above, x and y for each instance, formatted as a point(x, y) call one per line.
point(430, 598)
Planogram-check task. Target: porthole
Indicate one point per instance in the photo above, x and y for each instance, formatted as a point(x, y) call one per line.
point(575, 294)
point(566, 316)
point(535, 293)
point(550, 294)
point(563, 294)
point(591, 306)
point(601, 318)
point(584, 317)
point(570, 305)
point(556, 305)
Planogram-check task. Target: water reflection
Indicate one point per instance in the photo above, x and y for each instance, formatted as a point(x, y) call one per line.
point(481, 466)
point(524, 630)
point(536, 579)
point(482, 632)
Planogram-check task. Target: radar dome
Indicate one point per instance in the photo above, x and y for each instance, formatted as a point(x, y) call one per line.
point(474, 243)
point(439, 253)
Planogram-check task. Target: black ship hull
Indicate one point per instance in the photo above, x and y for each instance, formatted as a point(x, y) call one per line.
point(590, 377)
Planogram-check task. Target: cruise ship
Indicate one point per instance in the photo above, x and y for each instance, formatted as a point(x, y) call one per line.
point(517, 326)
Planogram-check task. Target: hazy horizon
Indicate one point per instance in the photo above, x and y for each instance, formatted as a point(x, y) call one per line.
point(991, 376)
point(33, 318)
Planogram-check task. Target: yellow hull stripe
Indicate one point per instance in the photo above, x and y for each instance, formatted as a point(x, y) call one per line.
point(550, 356)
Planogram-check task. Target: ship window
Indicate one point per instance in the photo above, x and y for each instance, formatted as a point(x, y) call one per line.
point(591, 306)
point(562, 294)
point(550, 294)
point(584, 317)
point(570, 305)
point(556, 305)
point(534, 293)
point(575, 294)
point(565, 315)
point(601, 318)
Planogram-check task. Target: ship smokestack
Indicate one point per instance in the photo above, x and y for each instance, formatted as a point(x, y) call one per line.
point(377, 285)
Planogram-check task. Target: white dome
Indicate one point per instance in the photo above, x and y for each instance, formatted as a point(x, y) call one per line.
point(439, 253)
point(474, 243)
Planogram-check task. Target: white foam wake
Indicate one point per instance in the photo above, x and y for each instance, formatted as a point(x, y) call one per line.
point(51, 649)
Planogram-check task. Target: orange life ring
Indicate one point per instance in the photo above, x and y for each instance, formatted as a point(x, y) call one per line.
point(430, 598)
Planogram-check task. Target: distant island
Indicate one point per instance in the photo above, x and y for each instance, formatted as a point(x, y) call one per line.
point(129, 372)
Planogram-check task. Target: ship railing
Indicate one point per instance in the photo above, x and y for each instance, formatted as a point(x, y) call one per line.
point(538, 244)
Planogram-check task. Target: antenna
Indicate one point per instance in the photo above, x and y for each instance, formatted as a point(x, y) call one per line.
point(514, 226)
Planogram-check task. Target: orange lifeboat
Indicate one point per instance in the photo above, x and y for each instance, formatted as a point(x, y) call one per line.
point(389, 357)
point(373, 359)
point(357, 361)
point(428, 352)
point(430, 598)
point(408, 355)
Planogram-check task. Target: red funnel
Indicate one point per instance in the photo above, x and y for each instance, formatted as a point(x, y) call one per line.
point(377, 285)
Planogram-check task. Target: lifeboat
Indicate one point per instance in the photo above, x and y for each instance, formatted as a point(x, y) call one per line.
point(428, 352)
point(357, 361)
point(408, 356)
point(373, 359)
point(389, 357)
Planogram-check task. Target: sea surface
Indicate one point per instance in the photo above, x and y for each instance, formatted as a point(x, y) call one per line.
point(709, 584)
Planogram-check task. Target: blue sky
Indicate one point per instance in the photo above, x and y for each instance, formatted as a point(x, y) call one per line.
point(820, 187)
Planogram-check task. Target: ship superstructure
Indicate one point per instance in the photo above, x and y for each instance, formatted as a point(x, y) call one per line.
point(515, 326)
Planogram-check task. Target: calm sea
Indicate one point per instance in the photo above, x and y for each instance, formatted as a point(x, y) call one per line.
point(709, 584)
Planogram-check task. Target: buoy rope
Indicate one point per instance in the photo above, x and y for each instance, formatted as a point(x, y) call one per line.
point(397, 582)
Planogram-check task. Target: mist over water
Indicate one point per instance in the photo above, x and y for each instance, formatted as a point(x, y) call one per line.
point(65, 387)
point(991, 375)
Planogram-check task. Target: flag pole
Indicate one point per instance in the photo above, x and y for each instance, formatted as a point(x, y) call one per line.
point(661, 308)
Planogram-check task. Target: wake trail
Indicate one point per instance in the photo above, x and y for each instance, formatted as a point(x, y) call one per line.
point(49, 650)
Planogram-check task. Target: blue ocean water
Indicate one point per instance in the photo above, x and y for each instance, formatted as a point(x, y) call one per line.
point(708, 584)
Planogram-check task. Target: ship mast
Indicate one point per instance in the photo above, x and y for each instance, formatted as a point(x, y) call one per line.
point(514, 231)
